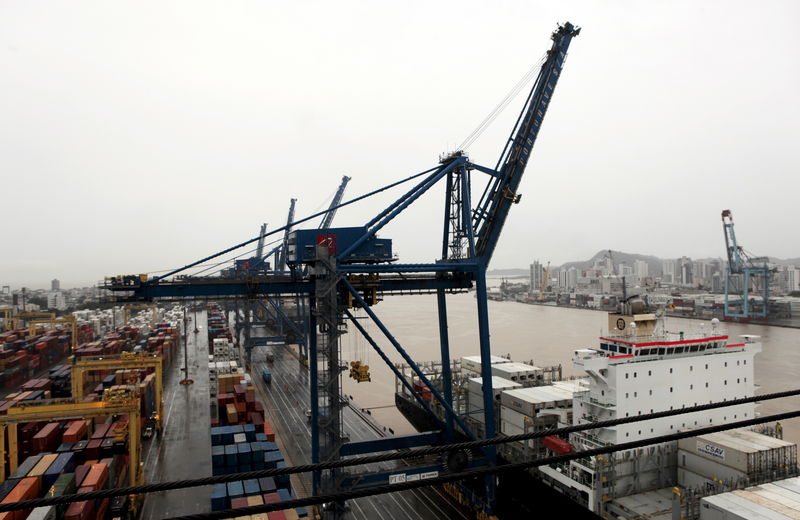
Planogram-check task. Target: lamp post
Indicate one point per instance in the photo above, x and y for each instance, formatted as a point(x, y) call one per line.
point(185, 380)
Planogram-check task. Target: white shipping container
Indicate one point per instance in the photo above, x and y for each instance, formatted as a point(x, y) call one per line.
point(529, 401)
point(517, 372)
point(475, 386)
point(766, 502)
point(473, 363)
point(738, 450)
point(707, 468)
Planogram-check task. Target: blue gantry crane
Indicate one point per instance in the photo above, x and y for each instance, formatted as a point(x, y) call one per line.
point(338, 269)
point(745, 273)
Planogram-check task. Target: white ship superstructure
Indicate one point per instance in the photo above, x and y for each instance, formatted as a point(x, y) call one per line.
point(641, 368)
point(635, 372)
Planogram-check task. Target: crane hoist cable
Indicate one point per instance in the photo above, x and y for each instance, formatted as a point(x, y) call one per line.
point(498, 109)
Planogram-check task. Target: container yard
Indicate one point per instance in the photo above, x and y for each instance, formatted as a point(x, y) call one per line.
point(59, 431)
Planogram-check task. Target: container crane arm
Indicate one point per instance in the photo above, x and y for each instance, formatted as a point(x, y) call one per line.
point(491, 212)
point(280, 265)
point(260, 248)
point(327, 219)
point(731, 248)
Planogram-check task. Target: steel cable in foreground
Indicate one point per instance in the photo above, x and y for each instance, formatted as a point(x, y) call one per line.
point(433, 450)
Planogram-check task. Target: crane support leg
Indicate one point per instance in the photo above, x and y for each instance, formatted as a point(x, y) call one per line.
point(314, 391)
point(447, 376)
point(486, 374)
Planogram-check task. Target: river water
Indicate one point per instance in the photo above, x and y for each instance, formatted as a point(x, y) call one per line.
point(546, 335)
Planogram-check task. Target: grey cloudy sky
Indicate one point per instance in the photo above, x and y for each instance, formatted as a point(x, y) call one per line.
point(139, 136)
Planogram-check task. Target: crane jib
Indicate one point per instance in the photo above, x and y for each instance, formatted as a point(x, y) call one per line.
point(491, 215)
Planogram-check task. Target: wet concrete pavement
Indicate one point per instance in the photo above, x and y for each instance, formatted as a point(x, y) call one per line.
point(183, 449)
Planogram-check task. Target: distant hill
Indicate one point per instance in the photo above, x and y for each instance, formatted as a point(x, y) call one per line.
point(788, 261)
point(654, 264)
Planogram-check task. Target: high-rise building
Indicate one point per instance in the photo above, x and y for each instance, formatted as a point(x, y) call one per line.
point(56, 300)
point(572, 279)
point(537, 276)
point(686, 273)
point(55, 285)
point(668, 269)
point(641, 269)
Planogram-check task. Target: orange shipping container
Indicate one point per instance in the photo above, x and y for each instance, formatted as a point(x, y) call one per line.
point(76, 431)
point(269, 431)
point(26, 489)
point(97, 477)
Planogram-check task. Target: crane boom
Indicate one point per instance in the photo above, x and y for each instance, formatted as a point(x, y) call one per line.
point(260, 248)
point(281, 263)
point(490, 214)
point(327, 219)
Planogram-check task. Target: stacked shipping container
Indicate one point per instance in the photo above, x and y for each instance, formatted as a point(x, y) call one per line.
point(241, 440)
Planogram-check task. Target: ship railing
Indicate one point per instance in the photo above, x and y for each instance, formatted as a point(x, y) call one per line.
point(599, 403)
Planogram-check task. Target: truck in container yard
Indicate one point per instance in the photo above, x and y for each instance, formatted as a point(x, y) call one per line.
point(266, 376)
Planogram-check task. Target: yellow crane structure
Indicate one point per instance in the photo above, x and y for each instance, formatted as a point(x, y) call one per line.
point(7, 323)
point(128, 307)
point(49, 318)
point(124, 361)
point(26, 317)
point(58, 409)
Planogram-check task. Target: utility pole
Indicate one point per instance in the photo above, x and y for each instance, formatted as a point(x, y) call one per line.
point(186, 380)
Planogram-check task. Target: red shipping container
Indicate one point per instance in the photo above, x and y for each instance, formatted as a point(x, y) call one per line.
point(100, 431)
point(276, 515)
point(271, 498)
point(76, 431)
point(47, 438)
point(238, 502)
point(102, 507)
point(80, 473)
point(79, 511)
point(93, 448)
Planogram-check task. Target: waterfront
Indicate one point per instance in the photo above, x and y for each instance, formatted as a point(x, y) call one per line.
point(546, 335)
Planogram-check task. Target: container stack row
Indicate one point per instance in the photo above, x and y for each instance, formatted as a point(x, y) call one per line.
point(241, 448)
point(241, 439)
point(68, 459)
point(23, 354)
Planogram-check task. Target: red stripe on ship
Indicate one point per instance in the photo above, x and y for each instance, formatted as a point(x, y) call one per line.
point(617, 357)
point(667, 343)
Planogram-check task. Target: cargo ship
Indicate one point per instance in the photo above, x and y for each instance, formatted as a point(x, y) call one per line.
point(638, 367)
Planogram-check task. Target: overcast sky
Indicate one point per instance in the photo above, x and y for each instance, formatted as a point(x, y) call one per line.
point(139, 136)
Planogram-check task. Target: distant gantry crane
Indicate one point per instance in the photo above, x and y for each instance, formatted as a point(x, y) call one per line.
point(745, 273)
point(338, 269)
